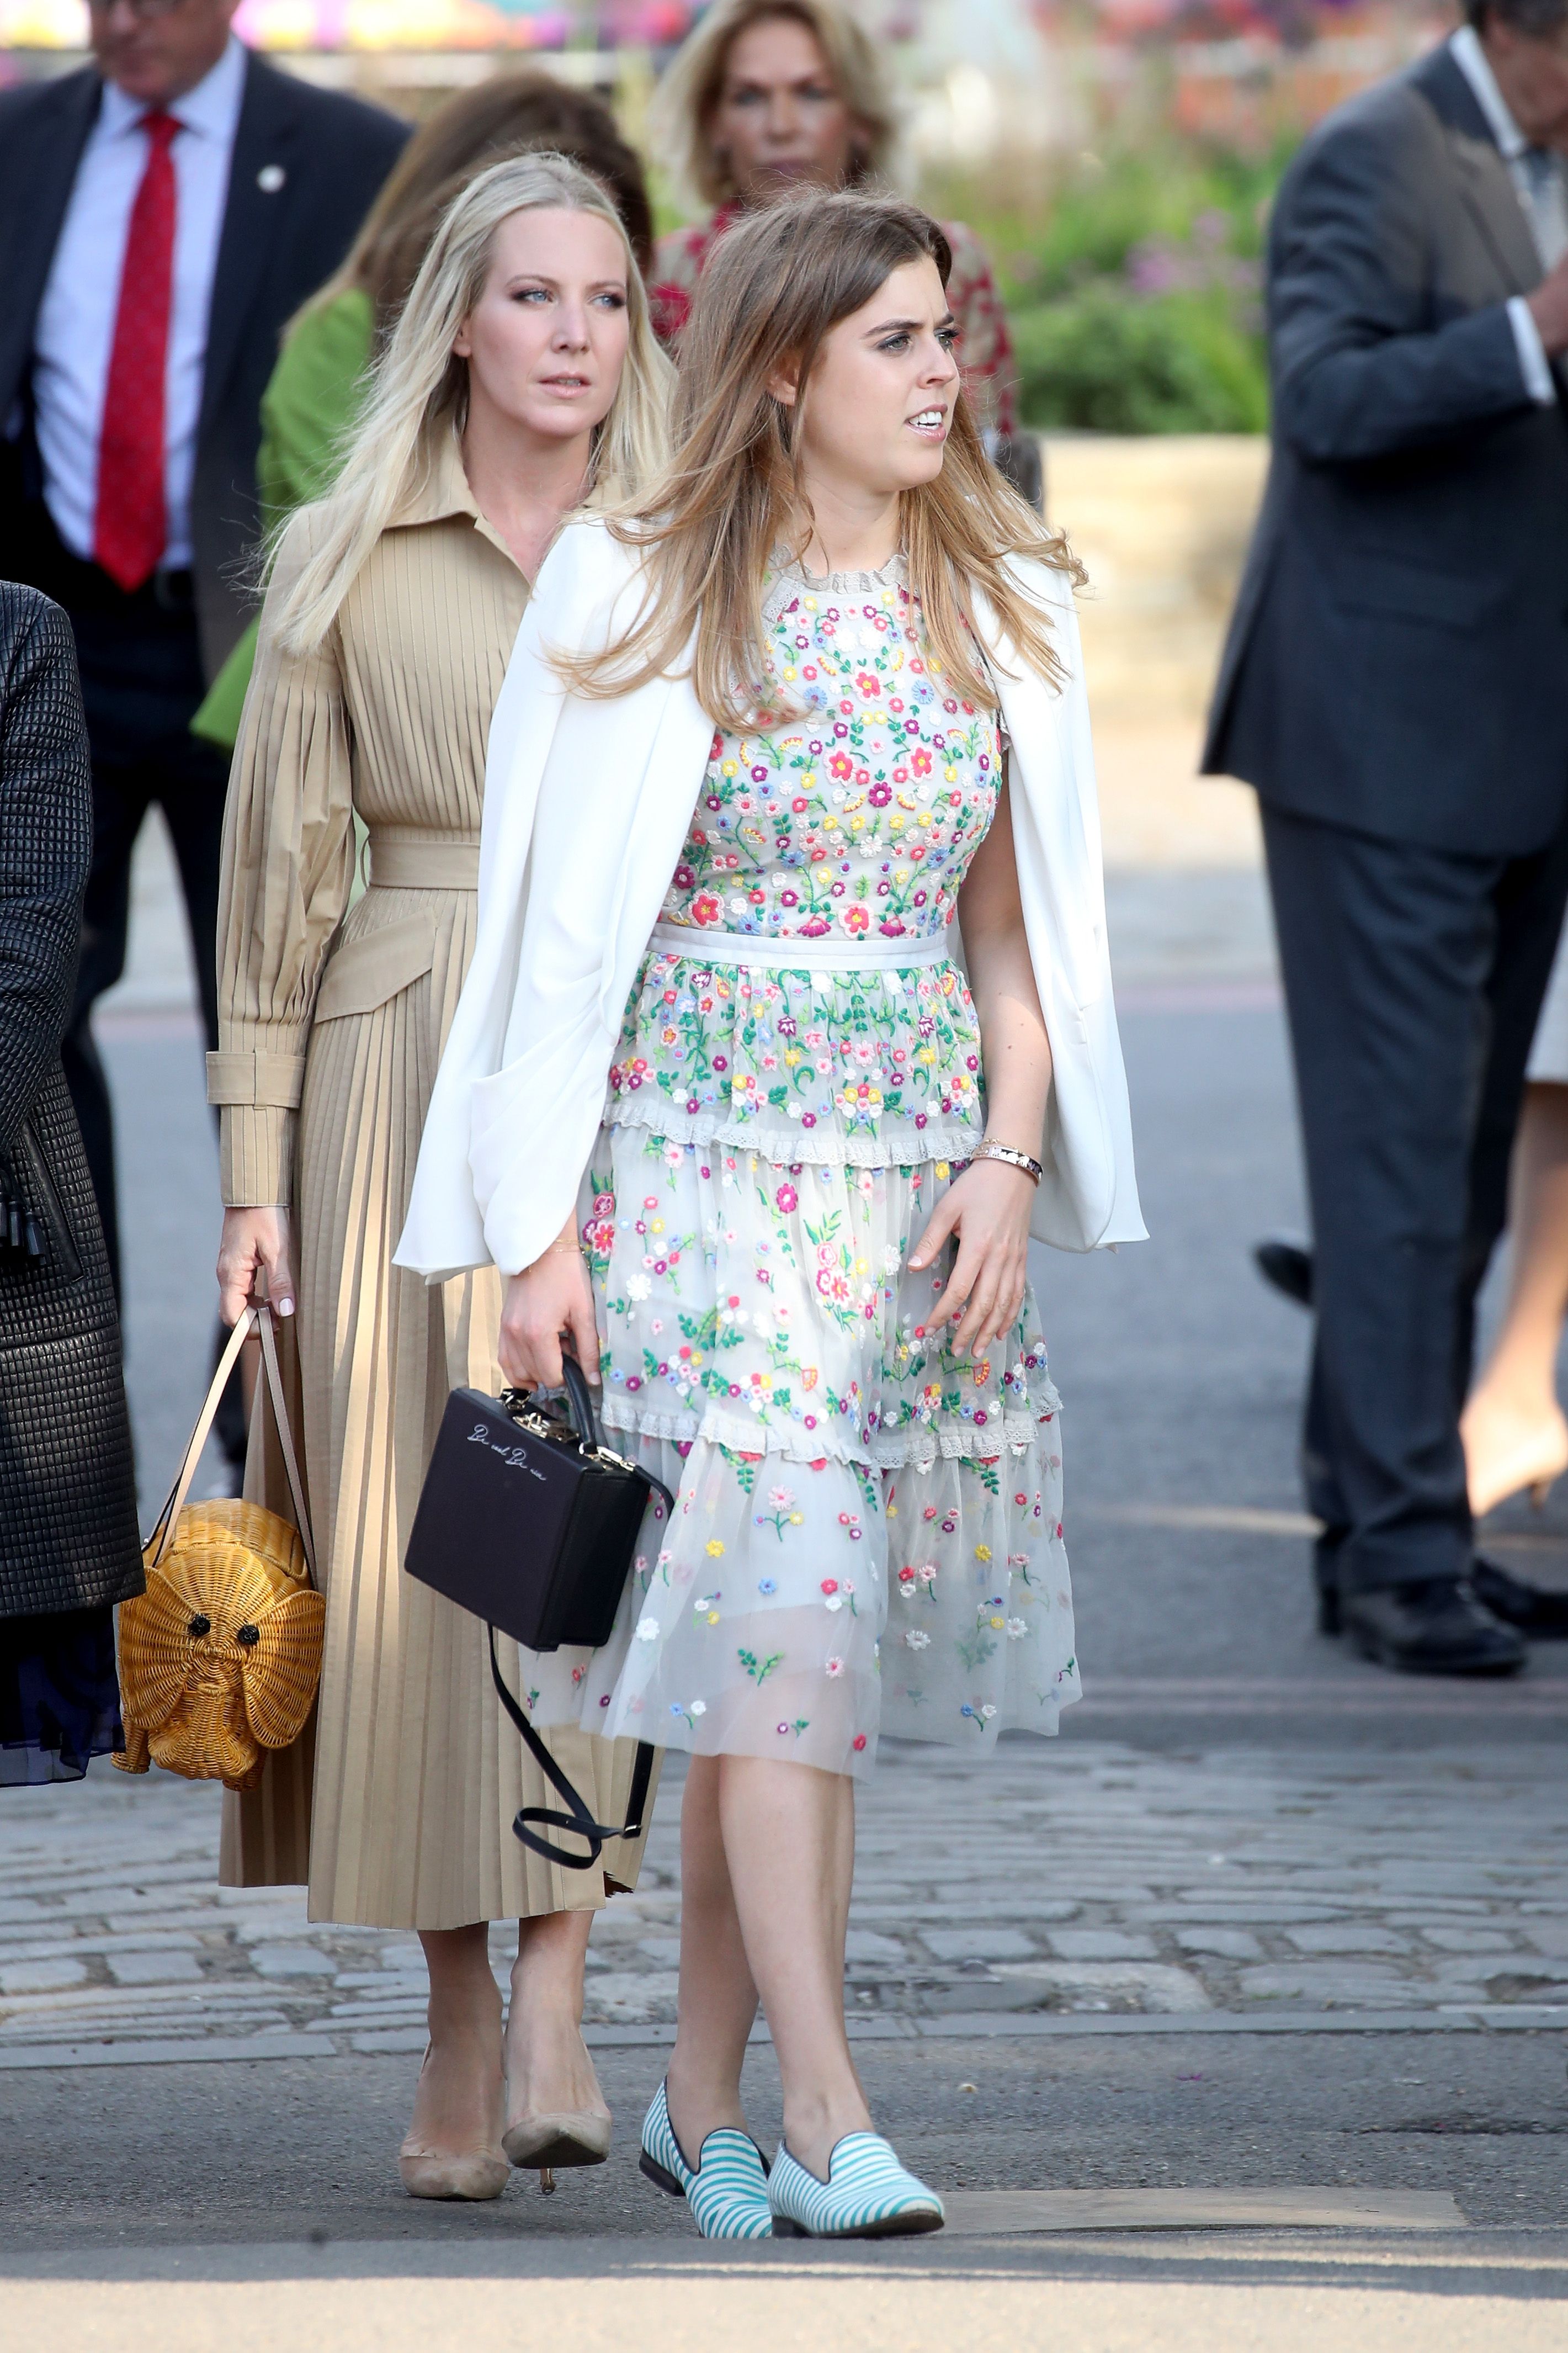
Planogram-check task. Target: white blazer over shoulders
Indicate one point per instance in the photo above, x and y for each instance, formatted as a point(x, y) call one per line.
point(587, 805)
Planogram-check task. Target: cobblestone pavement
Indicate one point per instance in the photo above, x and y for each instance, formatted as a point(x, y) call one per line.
point(1051, 1890)
point(1242, 1829)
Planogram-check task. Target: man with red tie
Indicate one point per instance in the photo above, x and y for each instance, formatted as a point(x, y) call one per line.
point(163, 214)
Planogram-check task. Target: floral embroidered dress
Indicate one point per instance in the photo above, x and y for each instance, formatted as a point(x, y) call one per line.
point(867, 1527)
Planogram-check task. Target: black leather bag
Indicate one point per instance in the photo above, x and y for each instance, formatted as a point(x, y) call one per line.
point(529, 1521)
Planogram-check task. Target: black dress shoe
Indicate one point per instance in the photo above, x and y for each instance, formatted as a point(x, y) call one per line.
point(1531, 1608)
point(1286, 1267)
point(1435, 1628)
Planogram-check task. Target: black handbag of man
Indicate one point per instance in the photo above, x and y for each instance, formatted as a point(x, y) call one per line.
point(526, 1519)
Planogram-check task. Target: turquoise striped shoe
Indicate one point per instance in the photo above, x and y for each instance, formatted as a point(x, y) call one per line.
point(868, 2195)
point(728, 2193)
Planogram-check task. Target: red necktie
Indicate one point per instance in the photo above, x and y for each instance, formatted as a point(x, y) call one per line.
point(129, 529)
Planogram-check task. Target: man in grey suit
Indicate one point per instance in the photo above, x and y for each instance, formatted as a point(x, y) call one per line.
point(1395, 685)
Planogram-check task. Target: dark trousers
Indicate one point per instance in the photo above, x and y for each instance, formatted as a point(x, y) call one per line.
point(1413, 978)
point(142, 681)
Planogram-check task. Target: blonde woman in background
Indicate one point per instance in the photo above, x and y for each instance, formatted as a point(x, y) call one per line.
point(770, 95)
point(309, 401)
point(522, 380)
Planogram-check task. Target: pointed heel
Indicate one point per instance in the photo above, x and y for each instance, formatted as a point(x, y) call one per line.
point(1539, 1491)
point(659, 2175)
point(553, 2142)
point(1328, 1609)
point(784, 2229)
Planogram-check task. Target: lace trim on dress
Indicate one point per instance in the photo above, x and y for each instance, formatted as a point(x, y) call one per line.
point(916, 1447)
point(896, 1143)
point(791, 579)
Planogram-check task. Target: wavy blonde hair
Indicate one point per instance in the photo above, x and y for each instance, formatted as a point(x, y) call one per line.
point(733, 494)
point(418, 390)
point(680, 118)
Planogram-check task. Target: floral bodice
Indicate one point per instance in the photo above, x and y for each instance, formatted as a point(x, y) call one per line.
point(862, 815)
point(854, 822)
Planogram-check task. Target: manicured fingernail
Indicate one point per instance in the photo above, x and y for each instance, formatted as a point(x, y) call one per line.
point(285, 1307)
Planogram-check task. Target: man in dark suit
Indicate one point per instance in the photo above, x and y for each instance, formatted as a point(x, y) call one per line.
point(1395, 685)
point(163, 213)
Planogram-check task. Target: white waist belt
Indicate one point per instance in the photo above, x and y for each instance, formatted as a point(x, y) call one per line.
point(877, 955)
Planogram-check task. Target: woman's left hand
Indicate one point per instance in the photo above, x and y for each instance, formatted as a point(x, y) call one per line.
point(988, 1209)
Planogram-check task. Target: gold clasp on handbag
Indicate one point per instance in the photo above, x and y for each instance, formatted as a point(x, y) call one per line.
point(537, 1422)
point(603, 1454)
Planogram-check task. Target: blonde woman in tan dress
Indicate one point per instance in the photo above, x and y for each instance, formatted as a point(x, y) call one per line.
point(521, 379)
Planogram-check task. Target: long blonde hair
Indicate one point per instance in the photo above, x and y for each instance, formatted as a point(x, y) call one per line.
point(418, 390)
point(680, 118)
point(732, 493)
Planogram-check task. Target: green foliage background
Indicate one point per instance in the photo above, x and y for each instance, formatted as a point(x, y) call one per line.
point(1132, 282)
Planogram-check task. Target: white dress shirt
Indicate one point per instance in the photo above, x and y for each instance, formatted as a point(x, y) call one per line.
point(1544, 199)
point(75, 333)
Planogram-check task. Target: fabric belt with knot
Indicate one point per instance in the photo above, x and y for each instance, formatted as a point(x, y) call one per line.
point(416, 862)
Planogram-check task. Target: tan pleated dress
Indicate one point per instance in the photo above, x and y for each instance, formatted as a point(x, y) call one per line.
point(332, 1020)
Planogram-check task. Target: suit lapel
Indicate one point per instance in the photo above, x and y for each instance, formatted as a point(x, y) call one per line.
point(1493, 203)
point(38, 190)
point(264, 145)
point(1485, 180)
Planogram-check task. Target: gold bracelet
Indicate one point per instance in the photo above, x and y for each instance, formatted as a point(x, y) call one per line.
point(989, 1149)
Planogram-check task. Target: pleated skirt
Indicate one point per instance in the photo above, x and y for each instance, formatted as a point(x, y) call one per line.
point(397, 1802)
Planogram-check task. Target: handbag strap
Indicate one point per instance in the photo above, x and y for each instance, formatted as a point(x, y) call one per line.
point(578, 1821)
point(257, 1319)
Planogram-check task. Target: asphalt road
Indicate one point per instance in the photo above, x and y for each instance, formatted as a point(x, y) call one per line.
point(254, 2202)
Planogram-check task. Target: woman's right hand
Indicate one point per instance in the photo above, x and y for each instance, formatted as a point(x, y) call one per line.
point(549, 1300)
point(255, 1243)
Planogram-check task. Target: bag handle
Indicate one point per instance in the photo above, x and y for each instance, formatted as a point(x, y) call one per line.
point(578, 1821)
point(256, 1319)
point(579, 1402)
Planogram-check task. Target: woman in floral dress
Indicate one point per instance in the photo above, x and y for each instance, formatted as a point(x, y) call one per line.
point(720, 1100)
point(776, 1137)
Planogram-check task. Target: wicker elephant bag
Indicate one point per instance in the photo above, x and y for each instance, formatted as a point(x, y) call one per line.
point(219, 1658)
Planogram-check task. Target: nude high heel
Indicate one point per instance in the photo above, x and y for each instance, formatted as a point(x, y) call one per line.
point(1532, 1457)
point(554, 2138)
point(470, 2173)
point(548, 2140)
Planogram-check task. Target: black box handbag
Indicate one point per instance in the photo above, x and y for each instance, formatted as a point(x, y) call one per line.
point(529, 1521)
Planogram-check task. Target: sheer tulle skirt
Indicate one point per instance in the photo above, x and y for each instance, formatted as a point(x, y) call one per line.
point(867, 1533)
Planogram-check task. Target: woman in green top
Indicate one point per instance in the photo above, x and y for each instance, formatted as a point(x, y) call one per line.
point(314, 391)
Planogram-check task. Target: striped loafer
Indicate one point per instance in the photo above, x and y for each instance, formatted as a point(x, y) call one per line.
point(868, 2195)
point(728, 2192)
